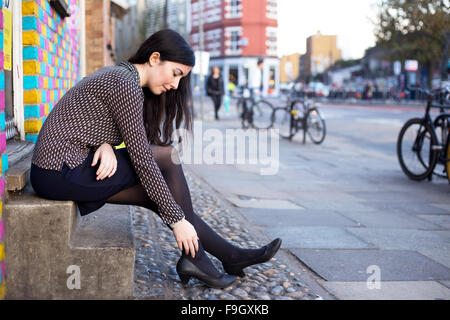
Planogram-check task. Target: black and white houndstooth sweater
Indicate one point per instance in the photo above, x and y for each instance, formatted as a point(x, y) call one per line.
point(105, 107)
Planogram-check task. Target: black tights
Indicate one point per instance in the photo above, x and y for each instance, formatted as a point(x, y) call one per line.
point(209, 239)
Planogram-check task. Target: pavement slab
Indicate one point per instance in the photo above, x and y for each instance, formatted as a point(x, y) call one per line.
point(352, 265)
point(404, 239)
point(438, 219)
point(389, 290)
point(295, 218)
point(383, 219)
point(264, 203)
point(317, 237)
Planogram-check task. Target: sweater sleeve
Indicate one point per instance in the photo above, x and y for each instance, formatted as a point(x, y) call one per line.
point(126, 107)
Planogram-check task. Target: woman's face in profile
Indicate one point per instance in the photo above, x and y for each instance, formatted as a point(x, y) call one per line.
point(165, 75)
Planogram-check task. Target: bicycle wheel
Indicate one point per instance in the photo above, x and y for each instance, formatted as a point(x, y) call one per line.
point(281, 120)
point(316, 126)
point(262, 111)
point(415, 149)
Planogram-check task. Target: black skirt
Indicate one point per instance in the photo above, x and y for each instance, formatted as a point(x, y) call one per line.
point(80, 185)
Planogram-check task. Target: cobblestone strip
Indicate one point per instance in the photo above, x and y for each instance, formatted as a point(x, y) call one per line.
point(157, 255)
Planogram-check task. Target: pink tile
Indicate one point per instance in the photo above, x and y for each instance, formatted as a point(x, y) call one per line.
point(2, 142)
point(2, 100)
point(2, 229)
point(42, 109)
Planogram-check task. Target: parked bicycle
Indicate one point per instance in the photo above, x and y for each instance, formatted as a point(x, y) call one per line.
point(255, 113)
point(423, 145)
point(299, 114)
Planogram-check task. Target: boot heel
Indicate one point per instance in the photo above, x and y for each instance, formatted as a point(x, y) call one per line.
point(184, 278)
point(235, 271)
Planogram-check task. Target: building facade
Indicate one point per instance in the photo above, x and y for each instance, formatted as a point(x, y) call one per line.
point(290, 68)
point(236, 34)
point(321, 53)
point(163, 14)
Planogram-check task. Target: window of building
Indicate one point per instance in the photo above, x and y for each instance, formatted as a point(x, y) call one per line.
point(271, 9)
point(233, 9)
point(234, 41)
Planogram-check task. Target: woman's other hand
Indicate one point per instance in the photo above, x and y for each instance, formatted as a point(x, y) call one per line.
point(108, 161)
point(186, 237)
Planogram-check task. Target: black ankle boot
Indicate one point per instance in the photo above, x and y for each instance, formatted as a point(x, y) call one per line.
point(238, 268)
point(187, 269)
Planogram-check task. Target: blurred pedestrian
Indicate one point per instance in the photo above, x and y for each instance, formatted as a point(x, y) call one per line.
point(255, 83)
point(215, 90)
point(141, 102)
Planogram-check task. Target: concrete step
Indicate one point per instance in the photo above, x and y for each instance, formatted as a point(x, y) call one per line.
point(54, 253)
point(19, 160)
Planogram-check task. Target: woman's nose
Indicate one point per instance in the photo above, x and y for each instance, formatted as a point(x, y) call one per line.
point(174, 84)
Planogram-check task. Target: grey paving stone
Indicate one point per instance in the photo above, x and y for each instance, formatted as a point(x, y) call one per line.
point(440, 255)
point(396, 290)
point(445, 283)
point(445, 206)
point(352, 265)
point(404, 239)
point(264, 203)
point(411, 207)
point(438, 219)
point(339, 206)
point(298, 218)
point(383, 219)
point(317, 237)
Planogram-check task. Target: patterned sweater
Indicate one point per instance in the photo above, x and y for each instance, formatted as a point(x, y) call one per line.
point(106, 106)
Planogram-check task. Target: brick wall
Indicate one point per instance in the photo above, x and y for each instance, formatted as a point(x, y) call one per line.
point(97, 34)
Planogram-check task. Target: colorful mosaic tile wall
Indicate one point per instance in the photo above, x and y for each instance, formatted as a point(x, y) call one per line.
point(3, 159)
point(51, 54)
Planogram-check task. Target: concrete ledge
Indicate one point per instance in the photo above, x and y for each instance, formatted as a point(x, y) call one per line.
point(45, 240)
point(19, 158)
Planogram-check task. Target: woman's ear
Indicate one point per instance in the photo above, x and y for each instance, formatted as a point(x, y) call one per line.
point(154, 59)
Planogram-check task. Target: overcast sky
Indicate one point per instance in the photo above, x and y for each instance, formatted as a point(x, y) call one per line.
point(348, 19)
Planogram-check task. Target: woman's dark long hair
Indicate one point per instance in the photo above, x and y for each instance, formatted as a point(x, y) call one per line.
point(160, 111)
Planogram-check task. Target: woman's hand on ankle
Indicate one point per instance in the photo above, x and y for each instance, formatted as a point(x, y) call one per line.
point(186, 237)
point(108, 161)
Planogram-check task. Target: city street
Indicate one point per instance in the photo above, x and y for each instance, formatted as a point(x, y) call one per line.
point(344, 208)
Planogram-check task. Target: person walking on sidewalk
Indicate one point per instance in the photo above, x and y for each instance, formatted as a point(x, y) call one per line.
point(255, 83)
point(137, 102)
point(215, 89)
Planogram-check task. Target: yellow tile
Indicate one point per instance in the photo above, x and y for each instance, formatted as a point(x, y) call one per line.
point(2, 290)
point(32, 67)
point(32, 96)
point(2, 251)
point(30, 38)
point(29, 8)
point(33, 125)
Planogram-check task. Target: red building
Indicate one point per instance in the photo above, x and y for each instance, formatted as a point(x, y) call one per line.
point(236, 34)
